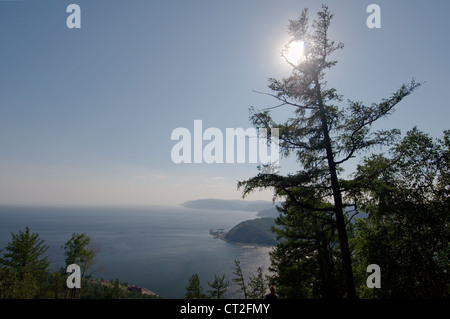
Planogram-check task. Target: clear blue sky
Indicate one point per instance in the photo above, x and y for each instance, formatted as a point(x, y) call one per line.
point(86, 114)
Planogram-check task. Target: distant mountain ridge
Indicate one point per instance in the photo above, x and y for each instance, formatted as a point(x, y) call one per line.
point(269, 212)
point(233, 204)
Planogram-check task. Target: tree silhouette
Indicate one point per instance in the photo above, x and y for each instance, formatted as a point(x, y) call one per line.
point(219, 287)
point(24, 257)
point(194, 289)
point(321, 133)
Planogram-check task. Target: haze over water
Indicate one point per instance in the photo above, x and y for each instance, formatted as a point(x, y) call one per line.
point(156, 247)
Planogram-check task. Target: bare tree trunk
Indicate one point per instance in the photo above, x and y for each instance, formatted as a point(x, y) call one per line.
point(337, 196)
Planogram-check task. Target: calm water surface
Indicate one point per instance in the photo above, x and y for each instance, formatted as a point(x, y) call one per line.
point(155, 247)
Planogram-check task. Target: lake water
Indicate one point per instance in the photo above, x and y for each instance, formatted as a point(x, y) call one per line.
point(155, 247)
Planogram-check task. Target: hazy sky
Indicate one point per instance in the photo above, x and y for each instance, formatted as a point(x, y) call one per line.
point(86, 115)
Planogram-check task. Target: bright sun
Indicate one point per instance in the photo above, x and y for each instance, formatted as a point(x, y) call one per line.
point(294, 52)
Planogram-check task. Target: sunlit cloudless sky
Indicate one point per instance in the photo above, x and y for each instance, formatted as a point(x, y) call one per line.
point(86, 115)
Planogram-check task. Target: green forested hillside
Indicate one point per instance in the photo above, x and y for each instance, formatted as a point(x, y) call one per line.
point(255, 231)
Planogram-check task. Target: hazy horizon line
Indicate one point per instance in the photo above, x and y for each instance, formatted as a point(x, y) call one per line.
point(125, 205)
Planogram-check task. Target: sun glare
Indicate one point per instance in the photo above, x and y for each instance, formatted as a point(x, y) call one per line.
point(294, 52)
